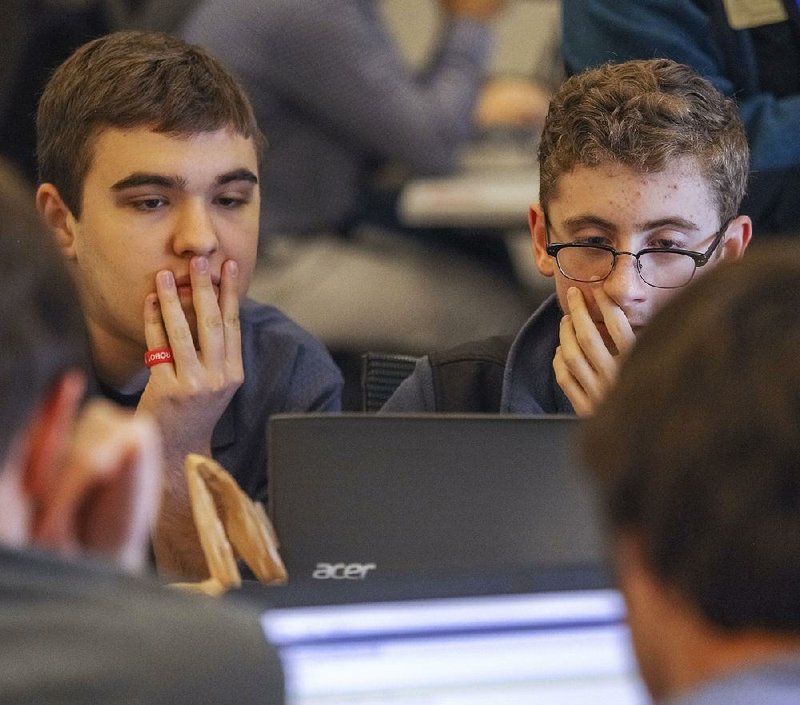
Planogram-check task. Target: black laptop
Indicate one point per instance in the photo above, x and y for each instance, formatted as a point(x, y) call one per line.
point(362, 496)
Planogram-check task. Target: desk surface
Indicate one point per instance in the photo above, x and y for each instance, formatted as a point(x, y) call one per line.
point(494, 187)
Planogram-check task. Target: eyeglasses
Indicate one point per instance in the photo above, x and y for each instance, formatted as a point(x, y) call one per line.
point(659, 267)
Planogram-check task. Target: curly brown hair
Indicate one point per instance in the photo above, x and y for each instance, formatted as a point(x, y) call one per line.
point(644, 115)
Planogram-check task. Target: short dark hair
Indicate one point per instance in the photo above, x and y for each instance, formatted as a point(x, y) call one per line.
point(41, 327)
point(126, 80)
point(697, 447)
point(645, 114)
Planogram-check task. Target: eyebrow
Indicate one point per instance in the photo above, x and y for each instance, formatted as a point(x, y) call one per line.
point(591, 220)
point(237, 175)
point(140, 178)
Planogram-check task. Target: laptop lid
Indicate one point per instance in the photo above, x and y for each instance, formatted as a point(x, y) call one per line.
point(359, 496)
point(562, 645)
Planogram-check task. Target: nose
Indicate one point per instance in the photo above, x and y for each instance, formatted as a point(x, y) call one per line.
point(624, 285)
point(194, 233)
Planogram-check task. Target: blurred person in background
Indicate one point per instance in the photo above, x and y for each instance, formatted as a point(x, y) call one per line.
point(748, 50)
point(37, 35)
point(333, 93)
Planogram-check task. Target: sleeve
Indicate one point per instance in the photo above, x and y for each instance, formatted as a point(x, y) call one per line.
point(415, 393)
point(596, 31)
point(335, 61)
point(316, 382)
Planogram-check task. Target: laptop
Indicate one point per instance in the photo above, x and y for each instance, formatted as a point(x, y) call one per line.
point(361, 496)
point(557, 641)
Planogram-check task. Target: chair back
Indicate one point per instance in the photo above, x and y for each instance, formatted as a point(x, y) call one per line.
point(381, 374)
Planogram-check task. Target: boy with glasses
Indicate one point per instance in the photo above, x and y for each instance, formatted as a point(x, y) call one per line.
point(643, 167)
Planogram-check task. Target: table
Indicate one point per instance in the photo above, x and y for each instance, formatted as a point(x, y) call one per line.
point(495, 185)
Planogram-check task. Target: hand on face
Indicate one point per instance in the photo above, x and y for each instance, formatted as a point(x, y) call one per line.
point(105, 494)
point(586, 361)
point(187, 397)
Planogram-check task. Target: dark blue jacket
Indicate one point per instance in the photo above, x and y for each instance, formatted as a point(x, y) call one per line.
point(493, 375)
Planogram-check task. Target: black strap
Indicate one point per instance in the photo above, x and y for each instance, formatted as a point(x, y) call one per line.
point(469, 378)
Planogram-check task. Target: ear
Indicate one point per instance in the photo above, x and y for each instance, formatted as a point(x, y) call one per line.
point(646, 596)
point(49, 433)
point(737, 238)
point(536, 221)
point(628, 560)
point(648, 612)
point(58, 217)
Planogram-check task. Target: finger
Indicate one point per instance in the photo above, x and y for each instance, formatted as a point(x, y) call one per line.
point(229, 305)
point(569, 385)
point(575, 360)
point(617, 324)
point(177, 328)
point(588, 336)
point(155, 334)
point(210, 336)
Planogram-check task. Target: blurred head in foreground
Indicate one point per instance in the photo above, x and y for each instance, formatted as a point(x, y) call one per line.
point(74, 478)
point(696, 452)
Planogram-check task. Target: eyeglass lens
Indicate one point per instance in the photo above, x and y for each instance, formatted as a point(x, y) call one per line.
point(593, 264)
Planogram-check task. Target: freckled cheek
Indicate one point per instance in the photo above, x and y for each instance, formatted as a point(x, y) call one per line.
point(588, 295)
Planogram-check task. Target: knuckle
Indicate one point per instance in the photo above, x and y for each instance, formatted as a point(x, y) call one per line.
point(222, 383)
point(571, 357)
point(212, 322)
point(193, 386)
point(219, 384)
point(560, 371)
point(584, 338)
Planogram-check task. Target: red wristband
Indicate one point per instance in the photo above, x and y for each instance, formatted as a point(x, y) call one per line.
point(157, 355)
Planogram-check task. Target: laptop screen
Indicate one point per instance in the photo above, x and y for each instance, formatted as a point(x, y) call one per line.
point(551, 648)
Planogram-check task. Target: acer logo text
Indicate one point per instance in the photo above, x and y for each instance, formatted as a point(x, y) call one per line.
point(342, 571)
